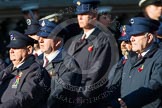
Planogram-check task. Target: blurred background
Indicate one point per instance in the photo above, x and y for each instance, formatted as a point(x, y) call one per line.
point(13, 14)
point(11, 8)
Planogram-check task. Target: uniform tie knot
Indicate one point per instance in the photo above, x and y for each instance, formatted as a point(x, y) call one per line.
point(83, 37)
point(139, 56)
point(45, 61)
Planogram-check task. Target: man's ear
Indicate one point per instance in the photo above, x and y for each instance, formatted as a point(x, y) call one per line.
point(150, 37)
point(58, 42)
point(30, 49)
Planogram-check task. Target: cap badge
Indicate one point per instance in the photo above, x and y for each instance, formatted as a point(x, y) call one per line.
point(78, 3)
point(12, 37)
point(43, 23)
point(123, 31)
point(132, 21)
point(28, 21)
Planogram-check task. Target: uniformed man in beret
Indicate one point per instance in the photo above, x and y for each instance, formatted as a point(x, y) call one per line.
point(151, 8)
point(92, 51)
point(31, 31)
point(142, 80)
point(24, 83)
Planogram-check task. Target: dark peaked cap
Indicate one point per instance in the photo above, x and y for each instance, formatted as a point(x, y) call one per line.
point(143, 25)
point(144, 3)
point(46, 28)
point(33, 27)
point(18, 40)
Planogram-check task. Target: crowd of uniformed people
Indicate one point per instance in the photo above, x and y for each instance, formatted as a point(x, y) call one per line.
point(87, 62)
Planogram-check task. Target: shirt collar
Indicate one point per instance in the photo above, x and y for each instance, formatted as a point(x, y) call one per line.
point(146, 51)
point(52, 55)
point(89, 33)
point(19, 65)
point(39, 52)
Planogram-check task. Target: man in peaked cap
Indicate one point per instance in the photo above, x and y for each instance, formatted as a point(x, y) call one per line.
point(142, 80)
point(50, 46)
point(95, 46)
point(117, 70)
point(151, 8)
point(59, 64)
point(24, 81)
point(31, 31)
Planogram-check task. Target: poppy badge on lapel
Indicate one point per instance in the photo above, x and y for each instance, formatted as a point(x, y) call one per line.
point(141, 68)
point(90, 48)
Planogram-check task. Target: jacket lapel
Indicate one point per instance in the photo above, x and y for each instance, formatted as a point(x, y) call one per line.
point(77, 45)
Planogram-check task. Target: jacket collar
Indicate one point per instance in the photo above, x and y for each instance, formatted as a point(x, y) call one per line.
point(134, 57)
point(30, 59)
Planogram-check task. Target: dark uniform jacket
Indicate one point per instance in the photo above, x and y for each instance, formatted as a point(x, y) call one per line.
point(142, 80)
point(25, 87)
point(93, 56)
point(2, 65)
point(65, 84)
point(49, 67)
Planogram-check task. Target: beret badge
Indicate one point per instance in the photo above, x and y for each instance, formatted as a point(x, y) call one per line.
point(78, 3)
point(28, 21)
point(12, 37)
point(123, 31)
point(132, 21)
point(43, 23)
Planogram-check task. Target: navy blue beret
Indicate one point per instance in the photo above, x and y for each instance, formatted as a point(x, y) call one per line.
point(143, 25)
point(83, 6)
point(46, 28)
point(125, 29)
point(33, 27)
point(19, 40)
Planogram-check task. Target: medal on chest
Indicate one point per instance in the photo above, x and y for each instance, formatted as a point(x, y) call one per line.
point(17, 80)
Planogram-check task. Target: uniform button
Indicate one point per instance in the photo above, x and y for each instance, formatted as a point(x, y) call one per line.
point(129, 76)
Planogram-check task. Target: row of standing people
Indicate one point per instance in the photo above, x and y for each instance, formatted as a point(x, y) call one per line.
point(78, 77)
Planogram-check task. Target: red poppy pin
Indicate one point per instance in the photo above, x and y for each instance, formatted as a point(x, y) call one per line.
point(90, 48)
point(141, 68)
